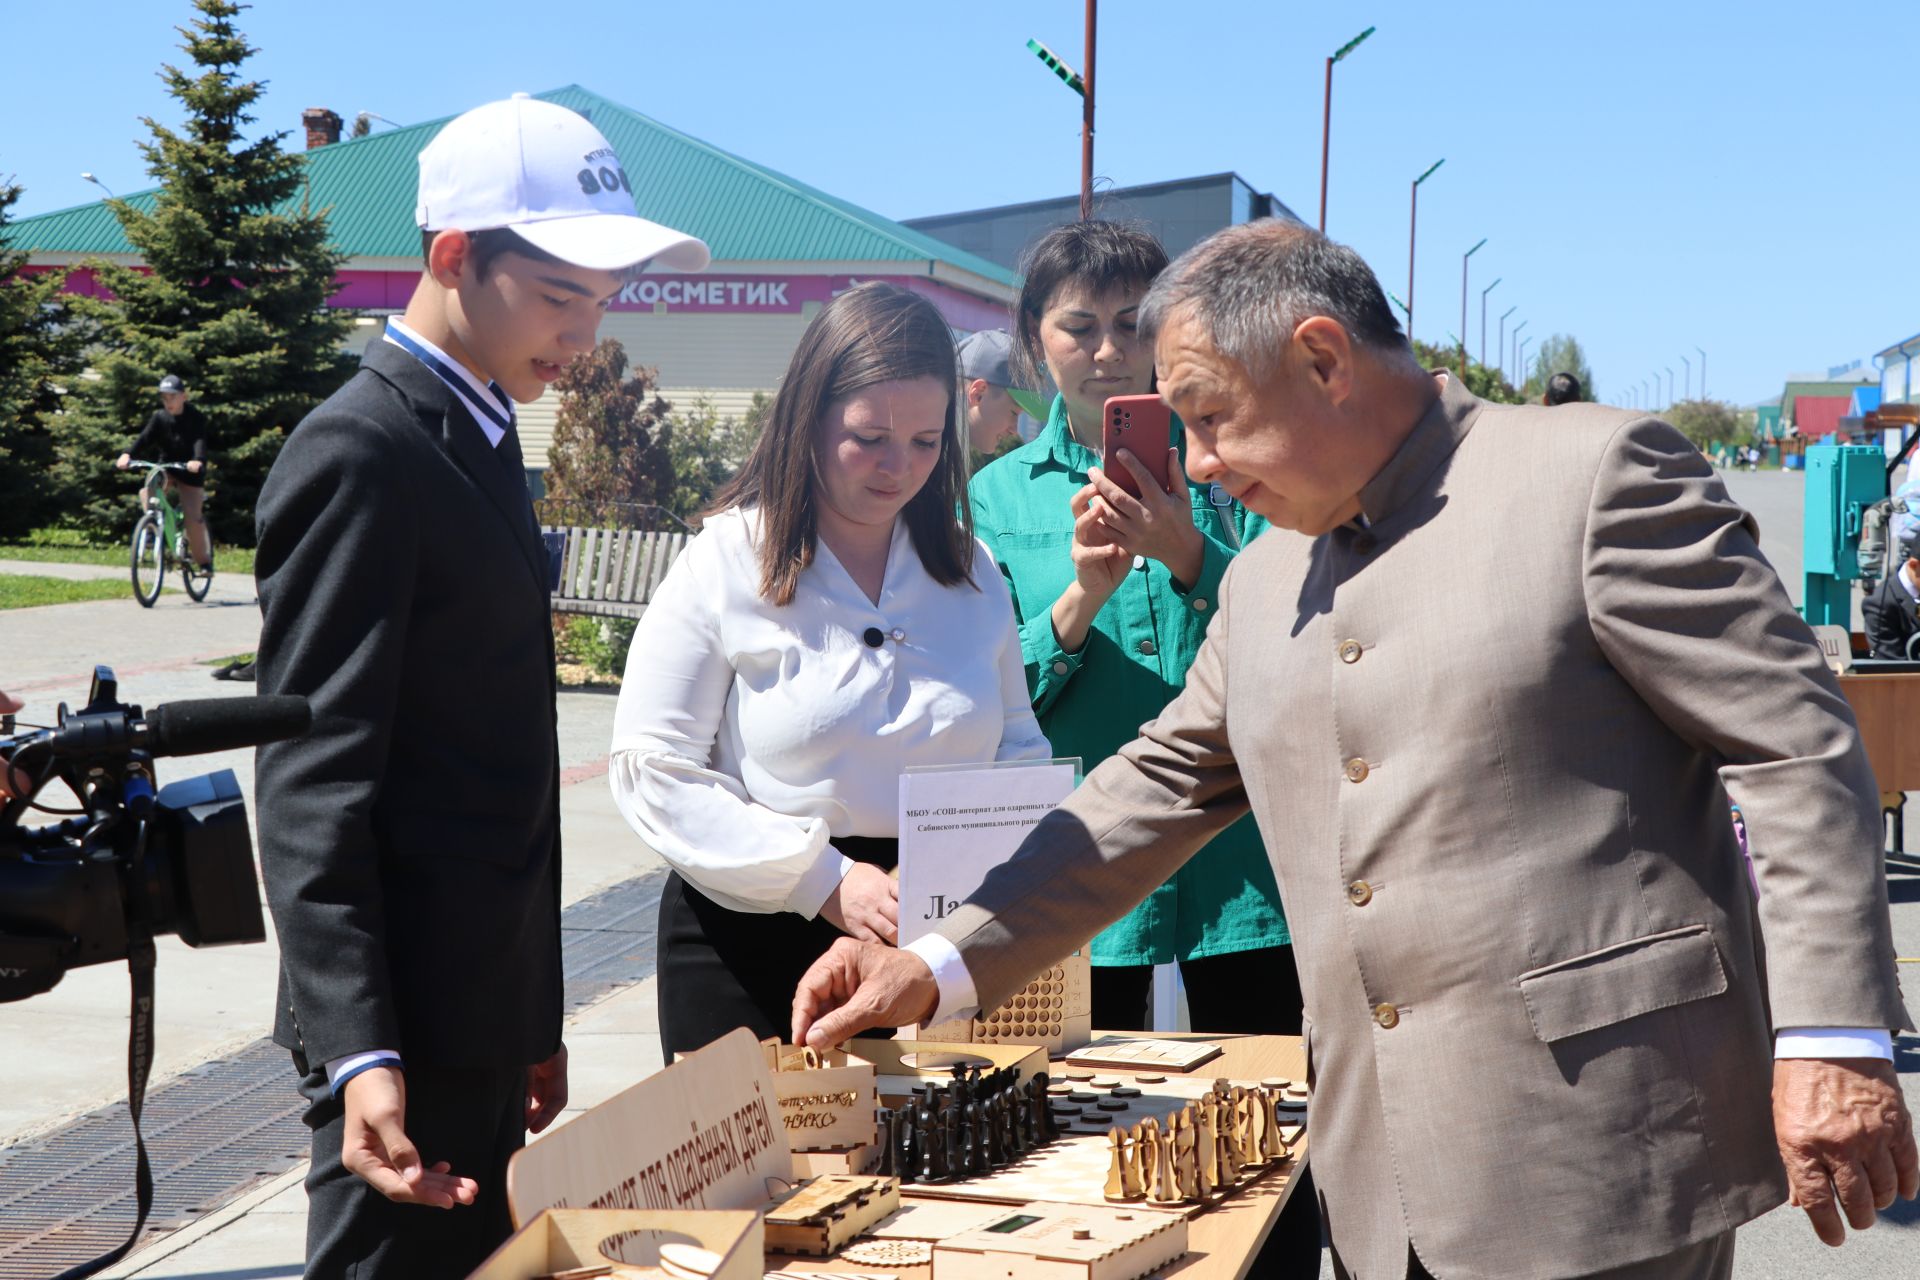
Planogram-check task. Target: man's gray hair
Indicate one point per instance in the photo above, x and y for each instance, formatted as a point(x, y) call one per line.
point(1251, 285)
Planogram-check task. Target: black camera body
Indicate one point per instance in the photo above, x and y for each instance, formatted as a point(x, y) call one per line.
point(133, 862)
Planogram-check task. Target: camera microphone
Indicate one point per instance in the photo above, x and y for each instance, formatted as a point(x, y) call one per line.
point(225, 724)
point(183, 728)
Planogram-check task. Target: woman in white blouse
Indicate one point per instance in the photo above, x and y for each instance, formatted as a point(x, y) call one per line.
point(832, 625)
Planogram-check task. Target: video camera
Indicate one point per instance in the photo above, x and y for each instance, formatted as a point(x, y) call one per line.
point(134, 861)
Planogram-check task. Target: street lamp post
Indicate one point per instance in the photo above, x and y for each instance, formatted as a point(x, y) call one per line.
point(1521, 368)
point(103, 186)
point(1483, 316)
point(1703, 373)
point(1082, 85)
point(1516, 350)
point(1501, 345)
point(1326, 114)
point(1086, 121)
point(1688, 384)
point(1463, 306)
point(1669, 369)
point(1413, 224)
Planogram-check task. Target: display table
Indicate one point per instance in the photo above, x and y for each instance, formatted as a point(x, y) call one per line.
point(1888, 709)
point(1223, 1240)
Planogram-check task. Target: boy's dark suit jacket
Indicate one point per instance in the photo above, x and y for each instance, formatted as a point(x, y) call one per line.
point(411, 843)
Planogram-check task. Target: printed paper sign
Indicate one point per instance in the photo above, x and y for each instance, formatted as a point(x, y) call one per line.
point(958, 824)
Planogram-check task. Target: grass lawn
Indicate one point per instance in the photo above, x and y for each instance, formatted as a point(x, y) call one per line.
point(225, 559)
point(24, 591)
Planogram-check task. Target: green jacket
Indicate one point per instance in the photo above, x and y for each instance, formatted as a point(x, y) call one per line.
point(1135, 660)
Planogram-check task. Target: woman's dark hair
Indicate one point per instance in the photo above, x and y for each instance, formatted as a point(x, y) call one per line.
point(872, 333)
point(1563, 388)
point(1103, 255)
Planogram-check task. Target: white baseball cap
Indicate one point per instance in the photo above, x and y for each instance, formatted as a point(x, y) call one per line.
point(545, 172)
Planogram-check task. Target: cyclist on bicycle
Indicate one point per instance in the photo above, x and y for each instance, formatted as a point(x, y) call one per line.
point(177, 433)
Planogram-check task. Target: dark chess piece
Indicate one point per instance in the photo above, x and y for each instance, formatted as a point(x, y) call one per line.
point(925, 1143)
point(977, 1138)
point(883, 1124)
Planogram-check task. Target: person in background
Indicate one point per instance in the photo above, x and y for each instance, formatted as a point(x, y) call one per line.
point(991, 413)
point(832, 625)
point(1114, 595)
point(1562, 388)
point(1890, 613)
point(176, 432)
point(8, 705)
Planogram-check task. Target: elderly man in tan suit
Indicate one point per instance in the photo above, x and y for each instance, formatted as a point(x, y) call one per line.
point(1488, 712)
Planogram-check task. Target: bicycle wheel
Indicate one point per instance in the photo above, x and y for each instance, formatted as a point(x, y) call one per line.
point(149, 550)
point(199, 581)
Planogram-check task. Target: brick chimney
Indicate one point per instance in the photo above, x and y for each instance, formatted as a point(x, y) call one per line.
point(323, 126)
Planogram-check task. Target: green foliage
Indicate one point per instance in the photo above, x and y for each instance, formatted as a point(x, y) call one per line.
point(42, 351)
point(708, 449)
point(609, 450)
point(1708, 422)
point(598, 644)
point(234, 301)
point(1559, 354)
point(30, 591)
point(1485, 382)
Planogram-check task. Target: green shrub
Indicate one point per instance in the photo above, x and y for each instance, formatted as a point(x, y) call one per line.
point(598, 644)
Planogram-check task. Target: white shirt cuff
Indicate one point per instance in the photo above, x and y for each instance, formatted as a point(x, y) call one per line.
point(958, 999)
point(354, 1063)
point(819, 882)
point(1833, 1042)
point(1913, 591)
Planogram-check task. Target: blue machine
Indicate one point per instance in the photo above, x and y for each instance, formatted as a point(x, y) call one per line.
point(1843, 480)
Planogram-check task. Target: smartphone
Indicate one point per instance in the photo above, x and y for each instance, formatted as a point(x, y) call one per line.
point(1143, 426)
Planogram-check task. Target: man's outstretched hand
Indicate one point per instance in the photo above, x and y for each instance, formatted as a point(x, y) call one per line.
point(1846, 1140)
point(858, 985)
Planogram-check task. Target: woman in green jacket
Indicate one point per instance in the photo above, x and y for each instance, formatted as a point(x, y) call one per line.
point(1113, 596)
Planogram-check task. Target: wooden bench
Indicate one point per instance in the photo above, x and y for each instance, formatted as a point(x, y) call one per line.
point(612, 573)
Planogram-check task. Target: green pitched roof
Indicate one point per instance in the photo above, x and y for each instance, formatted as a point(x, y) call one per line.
point(744, 211)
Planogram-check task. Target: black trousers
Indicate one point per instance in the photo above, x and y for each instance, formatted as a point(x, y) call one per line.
point(1248, 993)
point(474, 1119)
point(721, 969)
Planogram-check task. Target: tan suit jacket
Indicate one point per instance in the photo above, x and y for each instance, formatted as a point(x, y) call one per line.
point(1489, 735)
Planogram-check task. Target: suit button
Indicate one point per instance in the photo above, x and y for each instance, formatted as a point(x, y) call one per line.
point(1147, 648)
point(1350, 651)
point(1199, 606)
point(1061, 668)
point(1387, 1016)
point(1357, 770)
point(1359, 893)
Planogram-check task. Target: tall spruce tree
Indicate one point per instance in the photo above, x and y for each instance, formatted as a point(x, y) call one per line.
point(42, 350)
point(239, 270)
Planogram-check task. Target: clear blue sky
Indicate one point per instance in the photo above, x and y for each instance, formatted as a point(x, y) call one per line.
point(1650, 176)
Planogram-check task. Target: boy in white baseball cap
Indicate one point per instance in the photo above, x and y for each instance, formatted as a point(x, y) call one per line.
point(410, 843)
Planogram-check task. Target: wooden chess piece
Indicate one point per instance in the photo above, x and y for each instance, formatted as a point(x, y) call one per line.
point(1163, 1190)
point(1274, 1145)
point(1122, 1184)
point(1207, 1146)
point(1186, 1169)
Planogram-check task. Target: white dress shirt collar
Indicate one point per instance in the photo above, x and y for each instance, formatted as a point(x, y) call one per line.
point(491, 407)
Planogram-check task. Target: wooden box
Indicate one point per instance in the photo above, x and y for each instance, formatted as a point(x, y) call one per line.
point(563, 1239)
point(1054, 1011)
point(827, 1100)
point(812, 1164)
point(1045, 1241)
point(824, 1215)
